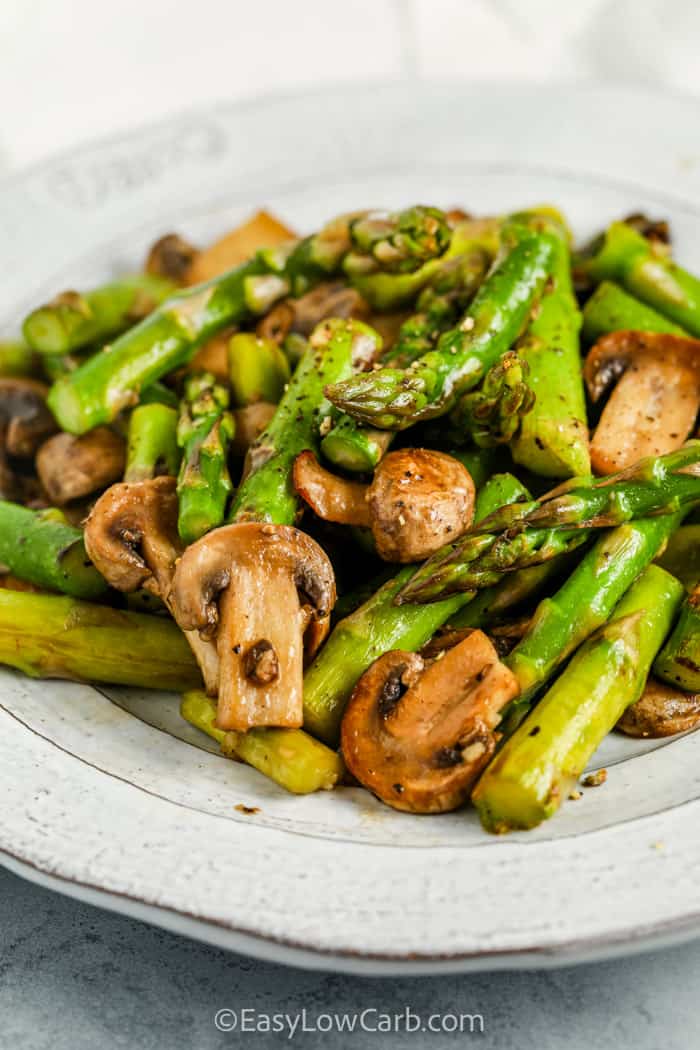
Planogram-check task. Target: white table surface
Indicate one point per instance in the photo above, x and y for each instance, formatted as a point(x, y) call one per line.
point(72, 977)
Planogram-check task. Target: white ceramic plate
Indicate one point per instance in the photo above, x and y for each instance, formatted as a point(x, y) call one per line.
point(109, 796)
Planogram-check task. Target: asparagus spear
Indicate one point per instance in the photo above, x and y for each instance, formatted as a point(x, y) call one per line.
point(111, 380)
point(393, 399)
point(52, 636)
point(644, 269)
point(258, 369)
point(290, 757)
point(73, 319)
point(611, 309)
point(204, 432)
point(351, 446)
point(267, 492)
point(16, 359)
point(533, 532)
point(494, 411)
point(41, 547)
point(379, 626)
point(681, 556)
point(531, 775)
point(552, 438)
point(152, 443)
point(584, 603)
point(679, 660)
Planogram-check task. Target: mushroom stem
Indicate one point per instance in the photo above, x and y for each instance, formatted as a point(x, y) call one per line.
point(261, 652)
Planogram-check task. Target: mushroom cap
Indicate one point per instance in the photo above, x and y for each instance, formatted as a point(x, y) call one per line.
point(613, 353)
point(171, 256)
point(71, 467)
point(418, 734)
point(418, 501)
point(131, 535)
point(25, 420)
point(208, 567)
point(661, 711)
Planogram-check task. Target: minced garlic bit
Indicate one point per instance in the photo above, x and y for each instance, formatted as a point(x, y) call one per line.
point(594, 780)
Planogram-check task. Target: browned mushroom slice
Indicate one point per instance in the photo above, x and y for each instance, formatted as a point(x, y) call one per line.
point(262, 230)
point(418, 500)
point(329, 299)
point(419, 734)
point(212, 357)
point(661, 711)
point(172, 257)
point(71, 467)
point(266, 593)
point(250, 422)
point(25, 421)
point(329, 496)
point(132, 539)
point(653, 407)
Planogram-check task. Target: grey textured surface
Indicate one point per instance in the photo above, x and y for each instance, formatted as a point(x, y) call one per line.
point(76, 978)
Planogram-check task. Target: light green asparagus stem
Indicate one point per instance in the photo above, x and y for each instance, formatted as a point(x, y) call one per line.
point(682, 556)
point(679, 660)
point(377, 627)
point(16, 359)
point(41, 547)
point(204, 432)
point(159, 394)
point(52, 636)
point(393, 399)
point(645, 270)
point(290, 757)
point(267, 492)
point(553, 437)
point(534, 532)
point(152, 443)
point(112, 380)
point(351, 446)
point(583, 603)
point(491, 603)
point(258, 370)
point(74, 319)
point(535, 770)
point(611, 309)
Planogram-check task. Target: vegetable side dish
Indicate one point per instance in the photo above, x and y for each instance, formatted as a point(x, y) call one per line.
point(407, 502)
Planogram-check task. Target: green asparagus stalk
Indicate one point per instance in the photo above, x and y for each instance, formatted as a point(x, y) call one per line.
point(393, 399)
point(379, 626)
point(17, 360)
point(73, 320)
point(494, 411)
point(533, 532)
point(204, 432)
point(584, 603)
point(552, 438)
point(41, 547)
point(679, 661)
point(111, 380)
point(644, 269)
point(52, 636)
point(536, 768)
point(516, 588)
point(353, 447)
point(611, 309)
point(681, 556)
point(290, 757)
point(267, 492)
point(159, 394)
point(152, 443)
point(258, 369)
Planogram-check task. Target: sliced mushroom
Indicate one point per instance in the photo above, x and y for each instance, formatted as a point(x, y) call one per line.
point(653, 407)
point(661, 711)
point(328, 299)
point(25, 421)
point(418, 500)
point(212, 357)
point(419, 734)
point(172, 257)
point(71, 467)
point(250, 423)
point(265, 592)
point(131, 537)
point(262, 230)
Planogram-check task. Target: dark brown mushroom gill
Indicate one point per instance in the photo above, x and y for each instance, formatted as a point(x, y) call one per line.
point(418, 500)
point(418, 734)
point(72, 467)
point(132, 539)
point(265, 593)
point(654, 404)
